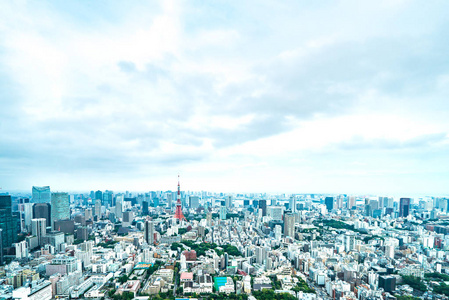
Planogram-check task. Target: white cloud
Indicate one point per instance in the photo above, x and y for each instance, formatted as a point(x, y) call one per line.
point(332, 95)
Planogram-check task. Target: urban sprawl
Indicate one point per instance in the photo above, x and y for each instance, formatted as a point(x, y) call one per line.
point(178, 244)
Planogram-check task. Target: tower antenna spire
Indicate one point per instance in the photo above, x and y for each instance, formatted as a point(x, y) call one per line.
point(178, 214)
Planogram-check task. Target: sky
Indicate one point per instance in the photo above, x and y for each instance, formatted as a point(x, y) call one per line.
point(235, 96)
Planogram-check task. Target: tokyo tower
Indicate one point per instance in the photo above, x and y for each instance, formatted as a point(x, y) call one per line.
point(178, 214)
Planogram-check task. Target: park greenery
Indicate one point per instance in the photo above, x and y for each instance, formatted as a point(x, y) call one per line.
point(108, 244)
point(123, 278)
point(302, 286)
point(201, 248)
point(337, 225)
point(182, 230)
point(268, 294)
point(415, 282)
point(442, 289)
point(400, 297)
point(124, 296)
point(436, 276)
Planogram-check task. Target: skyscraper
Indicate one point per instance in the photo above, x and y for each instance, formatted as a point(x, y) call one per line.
point(228, 201)
point(329, 202)
point(99, 195)
point(349, 242)
point(194, 202)
point(145, 210)
point(292, 204)
point(107, 198)
point(98, 208)
point(119, 206)
point(276, 212)
point(404, 207)
point(41, 194)
point(26, 214)
point(289, 225)
point(39, 229)
point(148, 234)
point(169, 199)
point(42, 210)
point(60, 207)
point(8, 224)
point(223, 212)
point(263, 206)
point(351, 202)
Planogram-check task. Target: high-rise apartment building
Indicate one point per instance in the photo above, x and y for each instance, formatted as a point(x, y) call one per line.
point(149, 232)
point(351, 202)
point(349, 242)
point(60, 207)
point(289, 225)
point(404, 207)
point(41, 194)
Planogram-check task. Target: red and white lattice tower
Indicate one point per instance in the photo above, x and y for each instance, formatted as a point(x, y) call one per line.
point(178, 214)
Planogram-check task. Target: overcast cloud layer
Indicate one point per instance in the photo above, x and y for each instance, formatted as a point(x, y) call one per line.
point(295, 97)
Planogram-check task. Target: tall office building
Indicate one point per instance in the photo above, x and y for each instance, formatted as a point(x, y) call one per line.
point(194, 202)
point(128, 218)
point(99, 195)
point(119, 199)
point(39, 229)
point(88, 214)
point(26, 214)
point(404, 207)
point(8, 224)
point(98, 208)
point(292, 204)
point(60, 207)
point(388, 283)
point(276, 212)
point(145, 210)
point(148, 234)
point(263, 206)
point(223, 212)
point(41, 194)
point(289, 225)
point(228, 201)
point(107, 198)
point(42, 210)
point(169, 199)
point(329, 202)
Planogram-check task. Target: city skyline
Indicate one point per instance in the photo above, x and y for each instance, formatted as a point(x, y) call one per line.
point(342, 97)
